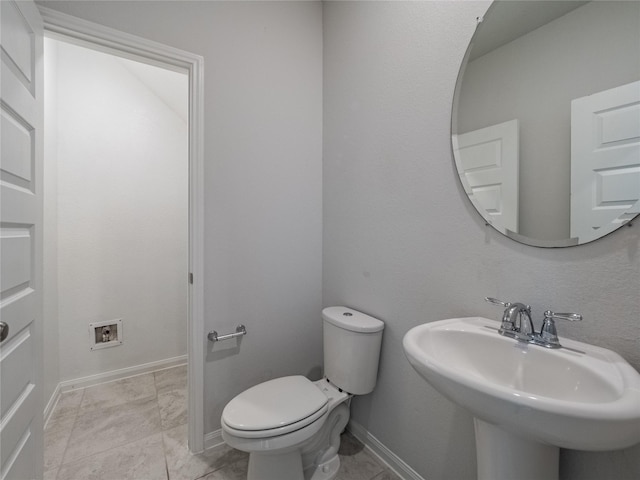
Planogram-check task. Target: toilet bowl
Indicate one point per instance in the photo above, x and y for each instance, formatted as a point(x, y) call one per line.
point(291, 426)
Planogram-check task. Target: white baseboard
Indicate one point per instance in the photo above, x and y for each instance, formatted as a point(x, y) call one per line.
point(51, 404)
point(213, 439)
point(395, 463)
point(113, 375)
point(88, 381)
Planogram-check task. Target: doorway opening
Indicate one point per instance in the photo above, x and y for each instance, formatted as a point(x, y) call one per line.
point(148, 188)
point(116, 205)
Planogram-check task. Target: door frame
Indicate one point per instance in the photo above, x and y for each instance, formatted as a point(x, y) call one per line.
point(99, 37)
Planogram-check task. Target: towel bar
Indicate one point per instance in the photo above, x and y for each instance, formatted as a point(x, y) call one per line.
point(214, 337)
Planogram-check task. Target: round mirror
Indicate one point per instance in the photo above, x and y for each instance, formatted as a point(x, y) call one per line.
point(546, 119)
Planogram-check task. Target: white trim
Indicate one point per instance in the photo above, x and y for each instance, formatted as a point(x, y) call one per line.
point(113, 375)
point(96, 36)
point(213, 439)
point(51, 405)
point(197, 339)
point(131, 46)
point(377, 448)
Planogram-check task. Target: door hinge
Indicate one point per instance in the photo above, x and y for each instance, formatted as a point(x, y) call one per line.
point(191, 278)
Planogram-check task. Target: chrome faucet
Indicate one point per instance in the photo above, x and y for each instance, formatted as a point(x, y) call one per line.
point(516, 320)
point(518, 316)
point(517, 323)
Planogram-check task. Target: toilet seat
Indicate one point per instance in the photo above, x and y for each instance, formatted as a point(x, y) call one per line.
point(275, 407)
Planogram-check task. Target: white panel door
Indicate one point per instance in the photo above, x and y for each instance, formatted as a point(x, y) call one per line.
point(489, 158)
point(605, 161)
point(21, 403)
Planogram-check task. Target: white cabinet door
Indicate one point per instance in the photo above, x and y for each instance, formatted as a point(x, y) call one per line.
point(489, 158)
point(605, 161)
point(21, 403)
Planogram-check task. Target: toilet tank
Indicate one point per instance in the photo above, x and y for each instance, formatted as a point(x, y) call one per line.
point(352, 342)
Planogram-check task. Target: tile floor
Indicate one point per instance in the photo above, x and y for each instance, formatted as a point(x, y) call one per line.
point(136, 429)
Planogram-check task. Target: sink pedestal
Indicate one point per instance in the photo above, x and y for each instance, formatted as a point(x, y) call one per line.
point(505, 456)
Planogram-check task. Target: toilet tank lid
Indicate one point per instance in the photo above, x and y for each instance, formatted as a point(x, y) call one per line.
point(352, 320)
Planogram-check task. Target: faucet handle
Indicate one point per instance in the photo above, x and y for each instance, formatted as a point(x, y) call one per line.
point(548, 332)
point(572, 317)
point(495, 301)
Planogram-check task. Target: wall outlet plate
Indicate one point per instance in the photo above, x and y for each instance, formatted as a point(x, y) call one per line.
point(107, 333)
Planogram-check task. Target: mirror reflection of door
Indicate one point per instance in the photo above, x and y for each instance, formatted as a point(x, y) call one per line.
point(605, 160)
point(489, 158)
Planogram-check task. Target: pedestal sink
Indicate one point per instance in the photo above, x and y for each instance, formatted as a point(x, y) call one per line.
point(528, 400)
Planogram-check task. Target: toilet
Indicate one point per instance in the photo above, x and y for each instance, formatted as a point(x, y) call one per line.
point(291, 426)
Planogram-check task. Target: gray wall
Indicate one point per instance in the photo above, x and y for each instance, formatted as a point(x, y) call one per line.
point(262, 179)
point(534, 78)
point(402, 242)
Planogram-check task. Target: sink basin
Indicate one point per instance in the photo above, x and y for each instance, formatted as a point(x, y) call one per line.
point(581, 397)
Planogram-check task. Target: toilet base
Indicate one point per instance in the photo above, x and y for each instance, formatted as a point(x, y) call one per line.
point(320, 464)
point(275, 467)
point(325, 471)
point(317, 459)
point(320, 456)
